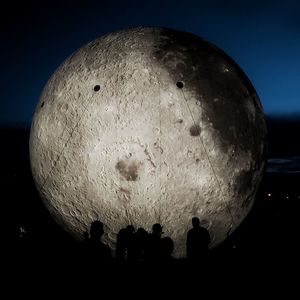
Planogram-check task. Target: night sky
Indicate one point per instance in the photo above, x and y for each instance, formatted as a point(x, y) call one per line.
point(263, 37)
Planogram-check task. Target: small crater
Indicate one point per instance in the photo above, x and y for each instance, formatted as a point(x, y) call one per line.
point(197, 160)
point(128, 170)
point(180, 121)
point(97, 88)
point(122, 190)
point(179, 84)
point(124, 195)
point(195, 130)
point(42, 105)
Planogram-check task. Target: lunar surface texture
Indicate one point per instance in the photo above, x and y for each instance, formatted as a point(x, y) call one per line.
point(144, 126)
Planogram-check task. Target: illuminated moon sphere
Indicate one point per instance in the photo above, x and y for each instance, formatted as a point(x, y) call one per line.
point(144, 126)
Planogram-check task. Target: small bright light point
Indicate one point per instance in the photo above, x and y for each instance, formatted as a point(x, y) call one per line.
point(22, 231)
point(269, 194)
point(287, 197)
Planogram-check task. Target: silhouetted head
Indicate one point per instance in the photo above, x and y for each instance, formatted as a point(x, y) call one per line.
point(142, 233)
point(141, 230)
point(130, 228)
point(96, 230)
point(196, 222)
point(157, 229)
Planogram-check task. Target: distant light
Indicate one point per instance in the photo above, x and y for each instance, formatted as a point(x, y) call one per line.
point(22, 231)
point(269, 195)
point(287, 197)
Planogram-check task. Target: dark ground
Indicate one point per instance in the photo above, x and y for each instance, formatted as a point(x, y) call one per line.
point(266, 243)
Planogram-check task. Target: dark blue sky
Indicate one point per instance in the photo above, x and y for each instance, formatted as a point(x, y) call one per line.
point(263, 37)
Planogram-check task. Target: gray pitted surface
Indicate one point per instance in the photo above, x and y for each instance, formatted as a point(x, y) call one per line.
point(142, 148)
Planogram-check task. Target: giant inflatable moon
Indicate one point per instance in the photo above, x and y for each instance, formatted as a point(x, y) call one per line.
point(148, 125)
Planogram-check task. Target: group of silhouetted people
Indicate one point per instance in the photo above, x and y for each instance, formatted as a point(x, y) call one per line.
point(139, 245)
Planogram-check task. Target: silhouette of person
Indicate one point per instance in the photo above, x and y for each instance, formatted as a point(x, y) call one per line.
point(139, 244)
point(167, 246)
point(197, 242)
point(97, 249)
point(154, 247)
point(125, 243)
